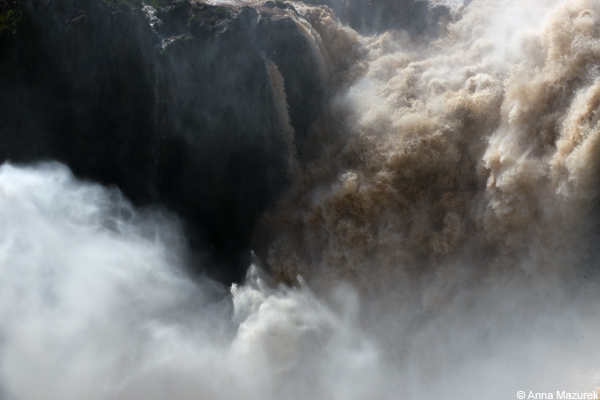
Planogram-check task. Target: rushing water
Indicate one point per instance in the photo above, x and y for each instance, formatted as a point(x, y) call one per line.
point(440, 240)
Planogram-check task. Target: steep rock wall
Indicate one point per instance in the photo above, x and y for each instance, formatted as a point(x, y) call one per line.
point(179, 113)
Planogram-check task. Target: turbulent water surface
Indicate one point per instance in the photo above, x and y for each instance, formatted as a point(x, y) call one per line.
point(439, 240)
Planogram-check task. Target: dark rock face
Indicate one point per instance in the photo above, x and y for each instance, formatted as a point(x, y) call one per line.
point(77, 88)
point(192, 126)
point(216, 83)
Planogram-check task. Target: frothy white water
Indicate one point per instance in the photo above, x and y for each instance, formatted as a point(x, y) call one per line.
point(94, 305)
point(477, 148)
